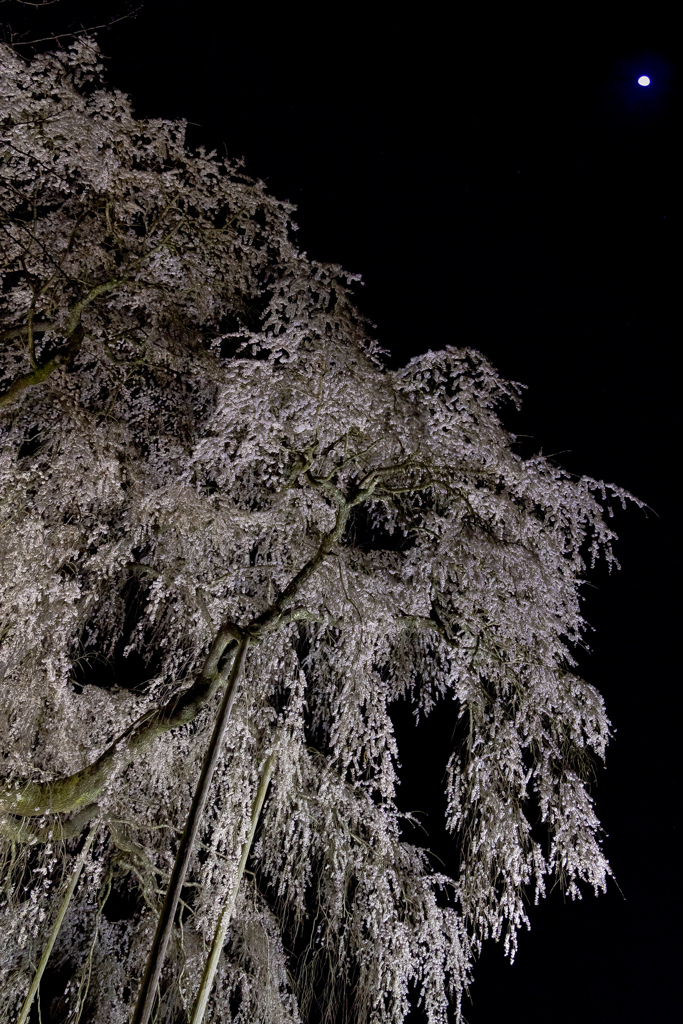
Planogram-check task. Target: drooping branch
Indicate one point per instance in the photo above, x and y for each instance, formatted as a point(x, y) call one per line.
point(72, 793)
point(84, 787)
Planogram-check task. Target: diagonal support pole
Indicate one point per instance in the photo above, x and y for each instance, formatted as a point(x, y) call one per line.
point(211, 965)
point(73, 881)
point(157, 954)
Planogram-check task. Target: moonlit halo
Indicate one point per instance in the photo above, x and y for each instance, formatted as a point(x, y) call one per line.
point(643, 80)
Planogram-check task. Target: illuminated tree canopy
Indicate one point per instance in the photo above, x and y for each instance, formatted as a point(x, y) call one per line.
point(204, 457)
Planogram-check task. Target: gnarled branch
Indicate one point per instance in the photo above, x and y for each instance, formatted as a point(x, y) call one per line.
point(22, 830)
point(41, 373)
point(74, 792)
point(74, 334)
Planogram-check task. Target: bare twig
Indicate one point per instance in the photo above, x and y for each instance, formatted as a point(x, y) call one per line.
point(55, 37)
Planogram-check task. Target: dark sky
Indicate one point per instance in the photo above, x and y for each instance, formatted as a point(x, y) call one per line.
point(505, 185)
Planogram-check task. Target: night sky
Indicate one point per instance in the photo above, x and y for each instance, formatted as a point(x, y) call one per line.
point(505, 185)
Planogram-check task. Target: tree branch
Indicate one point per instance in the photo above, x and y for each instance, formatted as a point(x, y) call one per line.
point(74, 792)
point(72, 35)
point(74, 333)
point(21, 830)
point(41, 373)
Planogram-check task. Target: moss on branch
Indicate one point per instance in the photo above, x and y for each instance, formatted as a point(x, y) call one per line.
point(22, 830)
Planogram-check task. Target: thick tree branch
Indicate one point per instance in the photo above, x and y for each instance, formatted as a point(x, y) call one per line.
point(21, 830)
point(41, 373)
point(84, 787)
point(74, 334)
point(74, 792)
point(22, 332)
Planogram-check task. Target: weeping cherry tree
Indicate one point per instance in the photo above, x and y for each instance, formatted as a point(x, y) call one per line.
point(231, 540)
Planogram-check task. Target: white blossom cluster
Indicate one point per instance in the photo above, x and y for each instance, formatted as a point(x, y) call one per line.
point(196, 430)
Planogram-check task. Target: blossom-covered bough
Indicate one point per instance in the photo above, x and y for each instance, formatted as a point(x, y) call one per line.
point(206, 465)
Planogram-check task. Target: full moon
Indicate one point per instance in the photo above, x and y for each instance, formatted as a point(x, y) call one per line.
point(643, 80)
